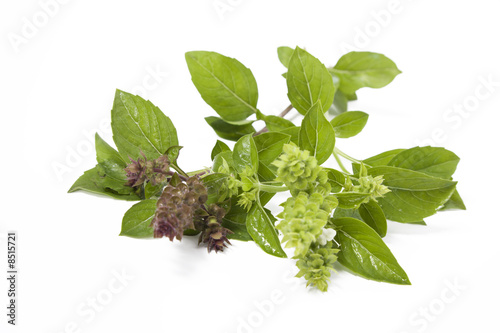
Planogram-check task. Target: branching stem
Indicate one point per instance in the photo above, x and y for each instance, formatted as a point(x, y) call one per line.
point(272, 188)
point(344, 155)
point(339, 162)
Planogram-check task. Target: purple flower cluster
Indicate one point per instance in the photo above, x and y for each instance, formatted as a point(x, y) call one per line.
point(214, 234)
point(155, 171)
point(177, 208)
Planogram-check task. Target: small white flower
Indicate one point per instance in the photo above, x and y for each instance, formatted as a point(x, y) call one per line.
point(326, 235)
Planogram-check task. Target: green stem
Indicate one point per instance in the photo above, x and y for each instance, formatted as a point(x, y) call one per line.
point(272, 188)
point(344, 155)
point(339, 162)
point(179, 170)
point(271, 182)
point(198, 172)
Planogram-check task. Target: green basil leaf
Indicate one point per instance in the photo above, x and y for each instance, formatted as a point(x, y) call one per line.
point(317, 134)
point(364, 69)
point(264, 198)
point(270, 146)
point(109, 182)
point(275, 123)
point(418, 223)
point(349, 124)
point(262, 230)
point(346, 212)
point(455, 202)
point(91, 182)
point(336, 82)
point(370, 213)
point(191, 232)
point(350, 199)
point(245, 156)
point(293, 132)
point(106, 153)
point(382, 158)
point(351, 97)
point(216, 189)
point(137, 220)
point(219, 148)
point(240, 122)
point(173, 154)
point(336, 179)
point(266, 173)
point(110, 167)
point(414, 195)
point(235, 220)
point(218, 161)
point(139, 126)
point(175, 180)
point(229, 131)
point(308, 82)
point(108, 177)
point(151, 190)
point(365, 253)
point(339, 105)
point(236, 213)
point(224, 83)
point(373, 215)
point(239, 230)
point(434, 161)
point(284, 54)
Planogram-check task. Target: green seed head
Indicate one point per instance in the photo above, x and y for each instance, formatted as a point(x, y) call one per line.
point(303, 219)
point(315, 267)
point(296, 168)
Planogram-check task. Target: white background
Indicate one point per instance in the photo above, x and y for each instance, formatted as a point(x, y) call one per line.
point(57, 87)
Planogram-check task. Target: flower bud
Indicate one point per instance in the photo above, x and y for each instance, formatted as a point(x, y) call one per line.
point(246, 199)
point(371, 185)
